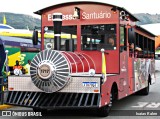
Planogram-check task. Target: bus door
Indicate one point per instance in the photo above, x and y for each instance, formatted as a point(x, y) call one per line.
point(101, 36)
point(131, 58)
point(123, 80)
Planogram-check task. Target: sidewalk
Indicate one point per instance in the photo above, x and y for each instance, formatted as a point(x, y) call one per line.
point(2, 107)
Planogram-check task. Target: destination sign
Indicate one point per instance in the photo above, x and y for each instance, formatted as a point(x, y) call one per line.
point(85, 15)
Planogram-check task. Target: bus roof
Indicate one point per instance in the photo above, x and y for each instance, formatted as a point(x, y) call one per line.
point(40, 12)
point(15, 41)
point(5, 26)
point(146, 31)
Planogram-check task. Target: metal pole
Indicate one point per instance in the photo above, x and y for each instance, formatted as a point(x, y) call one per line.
point(57, 20)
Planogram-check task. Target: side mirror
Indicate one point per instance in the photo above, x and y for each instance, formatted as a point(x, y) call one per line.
point(35, 37)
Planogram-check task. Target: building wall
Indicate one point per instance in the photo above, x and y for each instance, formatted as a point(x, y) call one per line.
point(157, 41)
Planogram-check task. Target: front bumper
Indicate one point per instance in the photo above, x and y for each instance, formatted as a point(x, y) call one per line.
point(53, 100)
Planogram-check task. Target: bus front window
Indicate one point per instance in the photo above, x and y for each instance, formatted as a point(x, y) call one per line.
point(96, 37)
point(67, 33)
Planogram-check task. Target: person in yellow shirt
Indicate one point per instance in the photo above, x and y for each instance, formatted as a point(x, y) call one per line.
point(27, 67)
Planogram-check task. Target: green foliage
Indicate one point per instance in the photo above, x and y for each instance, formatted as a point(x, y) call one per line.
point(20, 21)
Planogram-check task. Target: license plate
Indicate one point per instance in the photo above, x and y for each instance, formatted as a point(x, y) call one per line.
point(90, 84)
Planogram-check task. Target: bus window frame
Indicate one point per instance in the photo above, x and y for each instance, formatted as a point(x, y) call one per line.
point(74, 32)
point(124, 47)
point(113, 34)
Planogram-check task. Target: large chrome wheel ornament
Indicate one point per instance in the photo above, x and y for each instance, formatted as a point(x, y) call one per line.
point(50, 70)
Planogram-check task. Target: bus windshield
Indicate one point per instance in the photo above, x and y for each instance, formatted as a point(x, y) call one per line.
point(96, 37)
point(67, 33)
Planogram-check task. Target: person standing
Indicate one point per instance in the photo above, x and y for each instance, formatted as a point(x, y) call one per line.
point(17, 68)
point(27, 67)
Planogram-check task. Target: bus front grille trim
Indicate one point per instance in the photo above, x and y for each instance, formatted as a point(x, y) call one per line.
point(52, 100)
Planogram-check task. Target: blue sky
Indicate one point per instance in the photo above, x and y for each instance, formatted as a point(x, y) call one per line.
point(30, 6)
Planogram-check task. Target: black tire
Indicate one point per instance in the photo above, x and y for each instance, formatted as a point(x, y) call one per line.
point(144, 91)
point(104, 111)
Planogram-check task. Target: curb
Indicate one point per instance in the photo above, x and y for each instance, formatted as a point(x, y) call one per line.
point(2, 107)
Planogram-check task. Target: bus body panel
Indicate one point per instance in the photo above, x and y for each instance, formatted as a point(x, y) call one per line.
point(127, 73)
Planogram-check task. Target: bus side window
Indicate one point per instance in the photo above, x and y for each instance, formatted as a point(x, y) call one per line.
point(139, 46)
point(96, 37)
point(123, 43)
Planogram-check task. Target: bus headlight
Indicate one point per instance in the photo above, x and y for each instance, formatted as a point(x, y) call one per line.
point(92, 72)
point(48, 45)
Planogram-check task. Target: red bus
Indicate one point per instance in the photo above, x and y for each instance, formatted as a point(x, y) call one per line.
point(106, 58)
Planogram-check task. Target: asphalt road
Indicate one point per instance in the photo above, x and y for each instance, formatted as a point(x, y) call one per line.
point(138, 103)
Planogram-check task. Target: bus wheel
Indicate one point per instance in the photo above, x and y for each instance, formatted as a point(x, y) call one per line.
point(104, 111)
point(144, 91)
